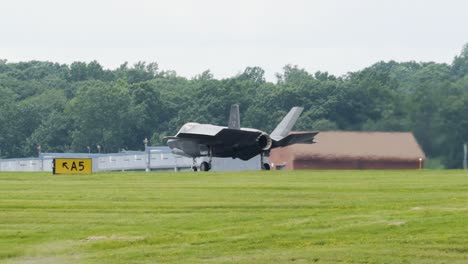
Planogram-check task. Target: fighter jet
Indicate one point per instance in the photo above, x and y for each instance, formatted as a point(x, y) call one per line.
point(205, 140)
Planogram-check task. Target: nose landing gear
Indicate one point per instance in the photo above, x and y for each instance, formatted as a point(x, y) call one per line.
point(194, 165)
point(204, 166)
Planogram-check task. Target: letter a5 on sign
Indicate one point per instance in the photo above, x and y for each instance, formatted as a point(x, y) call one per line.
point(72, 166)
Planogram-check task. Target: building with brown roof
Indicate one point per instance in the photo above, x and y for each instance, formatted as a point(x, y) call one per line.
point(352, 150)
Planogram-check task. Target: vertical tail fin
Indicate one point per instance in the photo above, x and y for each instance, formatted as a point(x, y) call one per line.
point(285, 126)
point(234, 117)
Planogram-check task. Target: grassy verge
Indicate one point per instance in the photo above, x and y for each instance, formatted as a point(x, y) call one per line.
point(249, 217)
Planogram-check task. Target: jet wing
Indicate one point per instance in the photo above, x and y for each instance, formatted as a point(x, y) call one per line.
point(204, 130)
point(299, 138)
point(216, 135)
point(236, 137)
point(240, 144)
point(247, 153)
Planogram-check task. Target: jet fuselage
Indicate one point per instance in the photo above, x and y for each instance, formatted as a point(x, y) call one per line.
point(205, 139)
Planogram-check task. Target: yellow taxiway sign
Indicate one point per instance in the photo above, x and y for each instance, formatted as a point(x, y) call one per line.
point(73, 166)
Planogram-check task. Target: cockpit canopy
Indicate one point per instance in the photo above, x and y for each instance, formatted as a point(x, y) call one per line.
point(185, 128)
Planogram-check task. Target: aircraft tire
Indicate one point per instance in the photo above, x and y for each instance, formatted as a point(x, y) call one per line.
point(266, 166)
point(205, 166)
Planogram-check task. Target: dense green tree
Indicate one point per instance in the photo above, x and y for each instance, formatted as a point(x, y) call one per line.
point(70, 107)
point(146, 109)
point(9, 116)
point(53, 134)
point(101, 114)
point(460, 63)
point(141, 72)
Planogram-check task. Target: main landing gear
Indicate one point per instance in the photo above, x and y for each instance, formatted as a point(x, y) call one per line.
point(263, 164)
point(205, 166)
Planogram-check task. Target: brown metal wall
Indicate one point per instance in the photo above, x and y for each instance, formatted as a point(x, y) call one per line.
point(352, 150)
point(280, 158)
point(354, 165)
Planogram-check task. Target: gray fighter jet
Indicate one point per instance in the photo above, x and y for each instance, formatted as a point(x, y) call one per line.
point(204, 140)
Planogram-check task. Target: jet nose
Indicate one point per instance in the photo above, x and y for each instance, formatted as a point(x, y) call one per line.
point(172, 143)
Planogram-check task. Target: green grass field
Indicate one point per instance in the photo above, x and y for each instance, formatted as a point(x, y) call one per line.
point(248, 217)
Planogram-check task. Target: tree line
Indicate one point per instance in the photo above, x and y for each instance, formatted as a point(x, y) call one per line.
point(68, 108)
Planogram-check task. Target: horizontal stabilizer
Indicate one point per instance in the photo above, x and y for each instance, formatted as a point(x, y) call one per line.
point(285, 126)
point(299, 138)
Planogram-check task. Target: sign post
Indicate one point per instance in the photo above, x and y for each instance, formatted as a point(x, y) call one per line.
point(465, 154)
point(72, 166)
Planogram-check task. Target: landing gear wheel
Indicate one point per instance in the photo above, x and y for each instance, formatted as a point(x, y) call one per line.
point(194, 165)
point(264, 165)
point(205, 166)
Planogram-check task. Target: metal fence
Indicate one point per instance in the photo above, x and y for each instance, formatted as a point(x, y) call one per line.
point(153, 158)
point(26, 164)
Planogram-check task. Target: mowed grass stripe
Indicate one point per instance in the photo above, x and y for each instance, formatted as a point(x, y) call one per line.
point(247, 217)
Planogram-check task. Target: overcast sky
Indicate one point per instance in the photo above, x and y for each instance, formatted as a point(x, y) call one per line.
point(190, 37)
